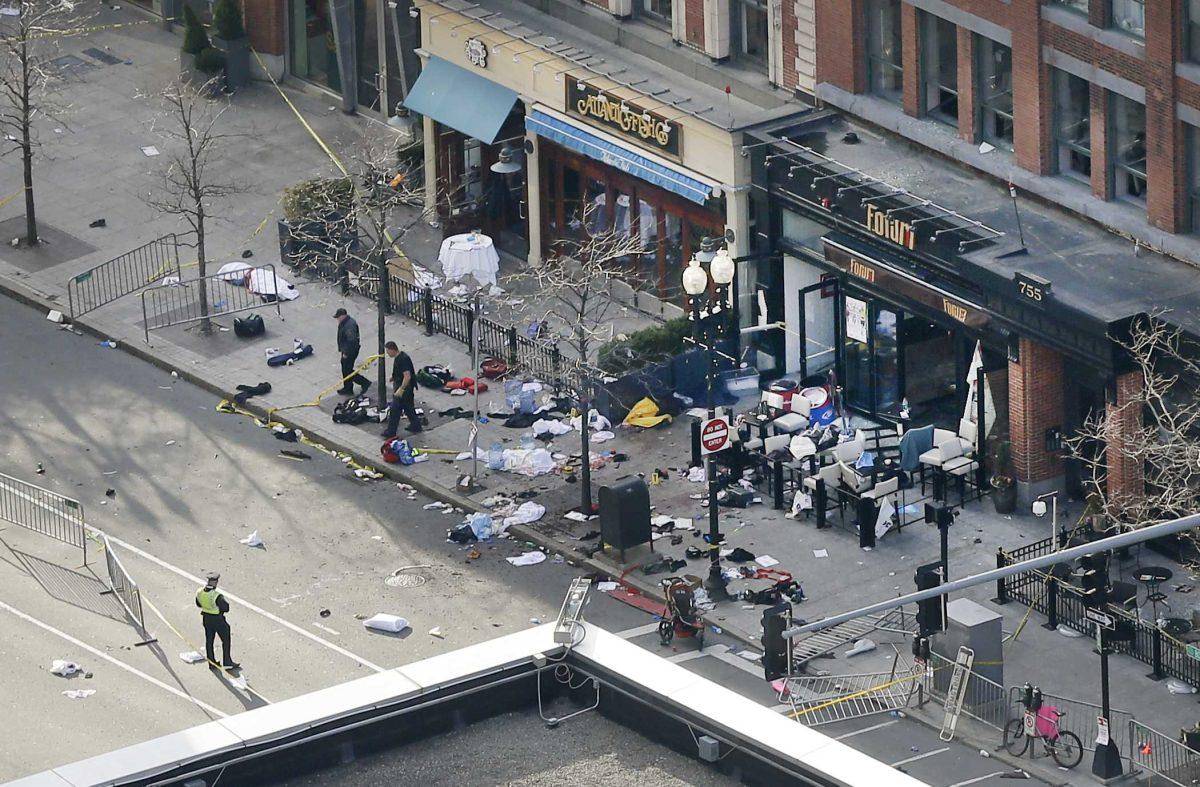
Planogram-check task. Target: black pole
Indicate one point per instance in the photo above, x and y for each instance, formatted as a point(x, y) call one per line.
point(980, 426)
point(585, 472)
point(715, 583)
point(944, 546)
point(1106, 762)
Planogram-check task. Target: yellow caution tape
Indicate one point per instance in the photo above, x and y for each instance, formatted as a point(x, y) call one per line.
point(340, 384)
point(80, 31)
point(10, 198)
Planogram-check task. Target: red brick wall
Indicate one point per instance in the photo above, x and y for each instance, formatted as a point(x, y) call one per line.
point(1031, 90)
point(693, 23)
point(1164, 138)
point(1125, 474)
point(911, 59)
point(1035, 404)
point(264, 24)
point(841, 47)
point(788, 42)
point(966, 85)
point(1099, 123)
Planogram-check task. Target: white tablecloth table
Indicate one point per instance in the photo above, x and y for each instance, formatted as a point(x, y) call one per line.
point(473, 254)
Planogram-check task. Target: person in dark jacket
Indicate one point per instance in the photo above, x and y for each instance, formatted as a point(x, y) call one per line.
point(348, 345)
point(404, 382)
point(213, 609)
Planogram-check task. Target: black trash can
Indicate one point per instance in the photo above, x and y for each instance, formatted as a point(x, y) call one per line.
point(625, 514)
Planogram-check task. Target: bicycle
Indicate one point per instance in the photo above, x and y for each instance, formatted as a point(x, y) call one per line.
point(1042, 722)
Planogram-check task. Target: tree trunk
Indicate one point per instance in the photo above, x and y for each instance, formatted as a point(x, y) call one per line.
point(31, 232)
point(381, 304)
point(205, 322)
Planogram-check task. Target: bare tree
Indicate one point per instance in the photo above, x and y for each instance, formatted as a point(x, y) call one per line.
point(190, 182)
point(29, 81)
point(574, 298)
point(1154, 434)
point(359, 220)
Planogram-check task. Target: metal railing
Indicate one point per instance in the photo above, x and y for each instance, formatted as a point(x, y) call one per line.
point(42, 511)
point(123, 275)
point(1167, 758)
point(122, 586)
point(825, 699)
point(179, 304)
point(1079, 716)
point(984, 700)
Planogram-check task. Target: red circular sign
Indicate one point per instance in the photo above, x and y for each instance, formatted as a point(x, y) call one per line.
point(714, 435)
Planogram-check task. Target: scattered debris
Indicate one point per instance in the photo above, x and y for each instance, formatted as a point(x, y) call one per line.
point(436, 631)
point(109, 343)
point(382, 621)
point(149, 150)
point(110, 492)
point(324, 613)
point(191, 657)
point(299, 456)
point(861, 646)
point(64, 668)
point(98, 223)
point(253, 540)
point(820, 553)
point(527, 558)
point(605, 587)
point(79, 694)
point(55, 316)
point(40, 470)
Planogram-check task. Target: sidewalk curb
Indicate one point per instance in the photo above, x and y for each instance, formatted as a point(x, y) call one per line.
point(33, 298)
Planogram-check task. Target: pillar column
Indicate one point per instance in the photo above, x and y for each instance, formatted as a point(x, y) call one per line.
point(429, 136)
point(966, 85)
point(1035, 406)
point(911, 60)
point(533, 197)
point(1126, 477)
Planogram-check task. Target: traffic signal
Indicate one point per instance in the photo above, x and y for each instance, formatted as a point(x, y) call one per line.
point(774, 660)
point(1093, 579)
point(931, 613)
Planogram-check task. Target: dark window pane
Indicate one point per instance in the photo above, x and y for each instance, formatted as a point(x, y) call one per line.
point(994, 66)
point(1072, 124)
point(884, 49)
point(1128, 148)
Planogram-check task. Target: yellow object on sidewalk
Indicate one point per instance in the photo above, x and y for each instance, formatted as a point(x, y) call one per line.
point(645, 414)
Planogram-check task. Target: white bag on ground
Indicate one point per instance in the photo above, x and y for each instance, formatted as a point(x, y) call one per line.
point(385, 622)
point(64, 668)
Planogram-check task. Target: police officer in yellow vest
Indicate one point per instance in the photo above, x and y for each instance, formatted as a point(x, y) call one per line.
point(213, 607)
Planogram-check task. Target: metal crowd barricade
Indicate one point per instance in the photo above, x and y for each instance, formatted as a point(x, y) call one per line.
point(122, 586)
point(1165, 757)
point(179, 304)
point(817, 700)
point(985, 700)
point(1080, 716)
point(42, 511)
point(123, 275)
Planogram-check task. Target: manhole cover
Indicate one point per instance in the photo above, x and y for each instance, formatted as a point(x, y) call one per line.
point(407, 577)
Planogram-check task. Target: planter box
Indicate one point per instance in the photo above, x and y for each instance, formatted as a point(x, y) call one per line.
point(237, 60)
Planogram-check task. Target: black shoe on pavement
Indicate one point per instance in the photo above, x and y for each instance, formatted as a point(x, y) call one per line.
point(231, 667)
point(413, 430)
point(346, 391)
point(365, 388)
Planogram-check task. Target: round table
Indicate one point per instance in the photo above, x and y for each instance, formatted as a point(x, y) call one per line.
point(471, 253)
point(1152, 577)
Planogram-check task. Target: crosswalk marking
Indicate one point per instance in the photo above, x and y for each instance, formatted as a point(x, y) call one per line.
point(916, 757)
point(978, 779)
point(872, 728)
point(638, 631)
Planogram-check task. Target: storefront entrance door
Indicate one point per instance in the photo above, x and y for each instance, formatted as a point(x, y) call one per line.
point(819, 328)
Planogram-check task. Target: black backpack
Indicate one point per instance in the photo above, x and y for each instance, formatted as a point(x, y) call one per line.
point(250, 325)
point(350, 411)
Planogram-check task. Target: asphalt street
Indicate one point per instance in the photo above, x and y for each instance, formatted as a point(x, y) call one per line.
point(175, 485)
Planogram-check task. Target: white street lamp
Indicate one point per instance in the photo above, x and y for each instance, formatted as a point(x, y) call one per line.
point(722, 268)
point(695, 279)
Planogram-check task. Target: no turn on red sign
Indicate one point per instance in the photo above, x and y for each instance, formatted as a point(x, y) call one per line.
point(714, 435)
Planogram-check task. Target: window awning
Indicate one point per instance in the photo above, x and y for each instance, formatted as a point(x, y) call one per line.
point(596, 147)
point(463, 101)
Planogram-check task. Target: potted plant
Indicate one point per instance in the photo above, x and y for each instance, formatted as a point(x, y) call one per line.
point(314, 212)
point(195, 41)
point(211, 63)
point(1004, 488)
point(231, 39)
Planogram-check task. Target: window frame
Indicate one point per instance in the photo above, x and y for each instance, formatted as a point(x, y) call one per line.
point(931, 81)
point(877, 62)
point(1191, 31)
point(1117, 168)
point(1073, 6)
point(985, 107)
point(1128, 4)
point(1064, 145)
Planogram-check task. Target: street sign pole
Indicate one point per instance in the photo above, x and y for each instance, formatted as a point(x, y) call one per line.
point(1106, 763)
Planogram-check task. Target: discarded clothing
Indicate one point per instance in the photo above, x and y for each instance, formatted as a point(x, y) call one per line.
point(528, 461)
point(547, 426)
point(914, 443)
point(270, 286)
point(527, 512)
point(467, 384)
point(601, 437)
point(646, 414)
point(521, 420)
point(527, 558)
point(247, 391)
point(64, 668)
point(463, 534)
point(596, 422)
point(287, 359)
point(739, 555)
point(385, 622)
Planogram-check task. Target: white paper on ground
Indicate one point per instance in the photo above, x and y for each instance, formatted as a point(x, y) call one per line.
point(766, 561)
point(661, 520)
point(191, 657)
point(527, 512)
point(820, 553)
point(605, 587)
point(64, 668)
point(527, 559)
point(79, 694)
point(684, 523)
point(252, 540)
point(385, 622)
point(577, 516)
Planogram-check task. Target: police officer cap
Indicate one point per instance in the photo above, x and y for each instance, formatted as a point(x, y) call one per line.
point(212, 576)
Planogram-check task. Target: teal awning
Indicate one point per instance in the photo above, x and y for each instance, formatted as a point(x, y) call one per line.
point(460, 99)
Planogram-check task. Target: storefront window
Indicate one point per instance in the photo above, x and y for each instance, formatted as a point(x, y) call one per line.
point(803, 231)
point(1128, 148)
point(887, 362)
point(597, 209)
point(994, 67)
point(885, 46)
point(572, 202)
point(648, 235)
point(1128, 16)
point(671, 285)
point(1072, 124)
point(939, 71)
point(857, 353)
point(754, 29)
point(314, 56)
